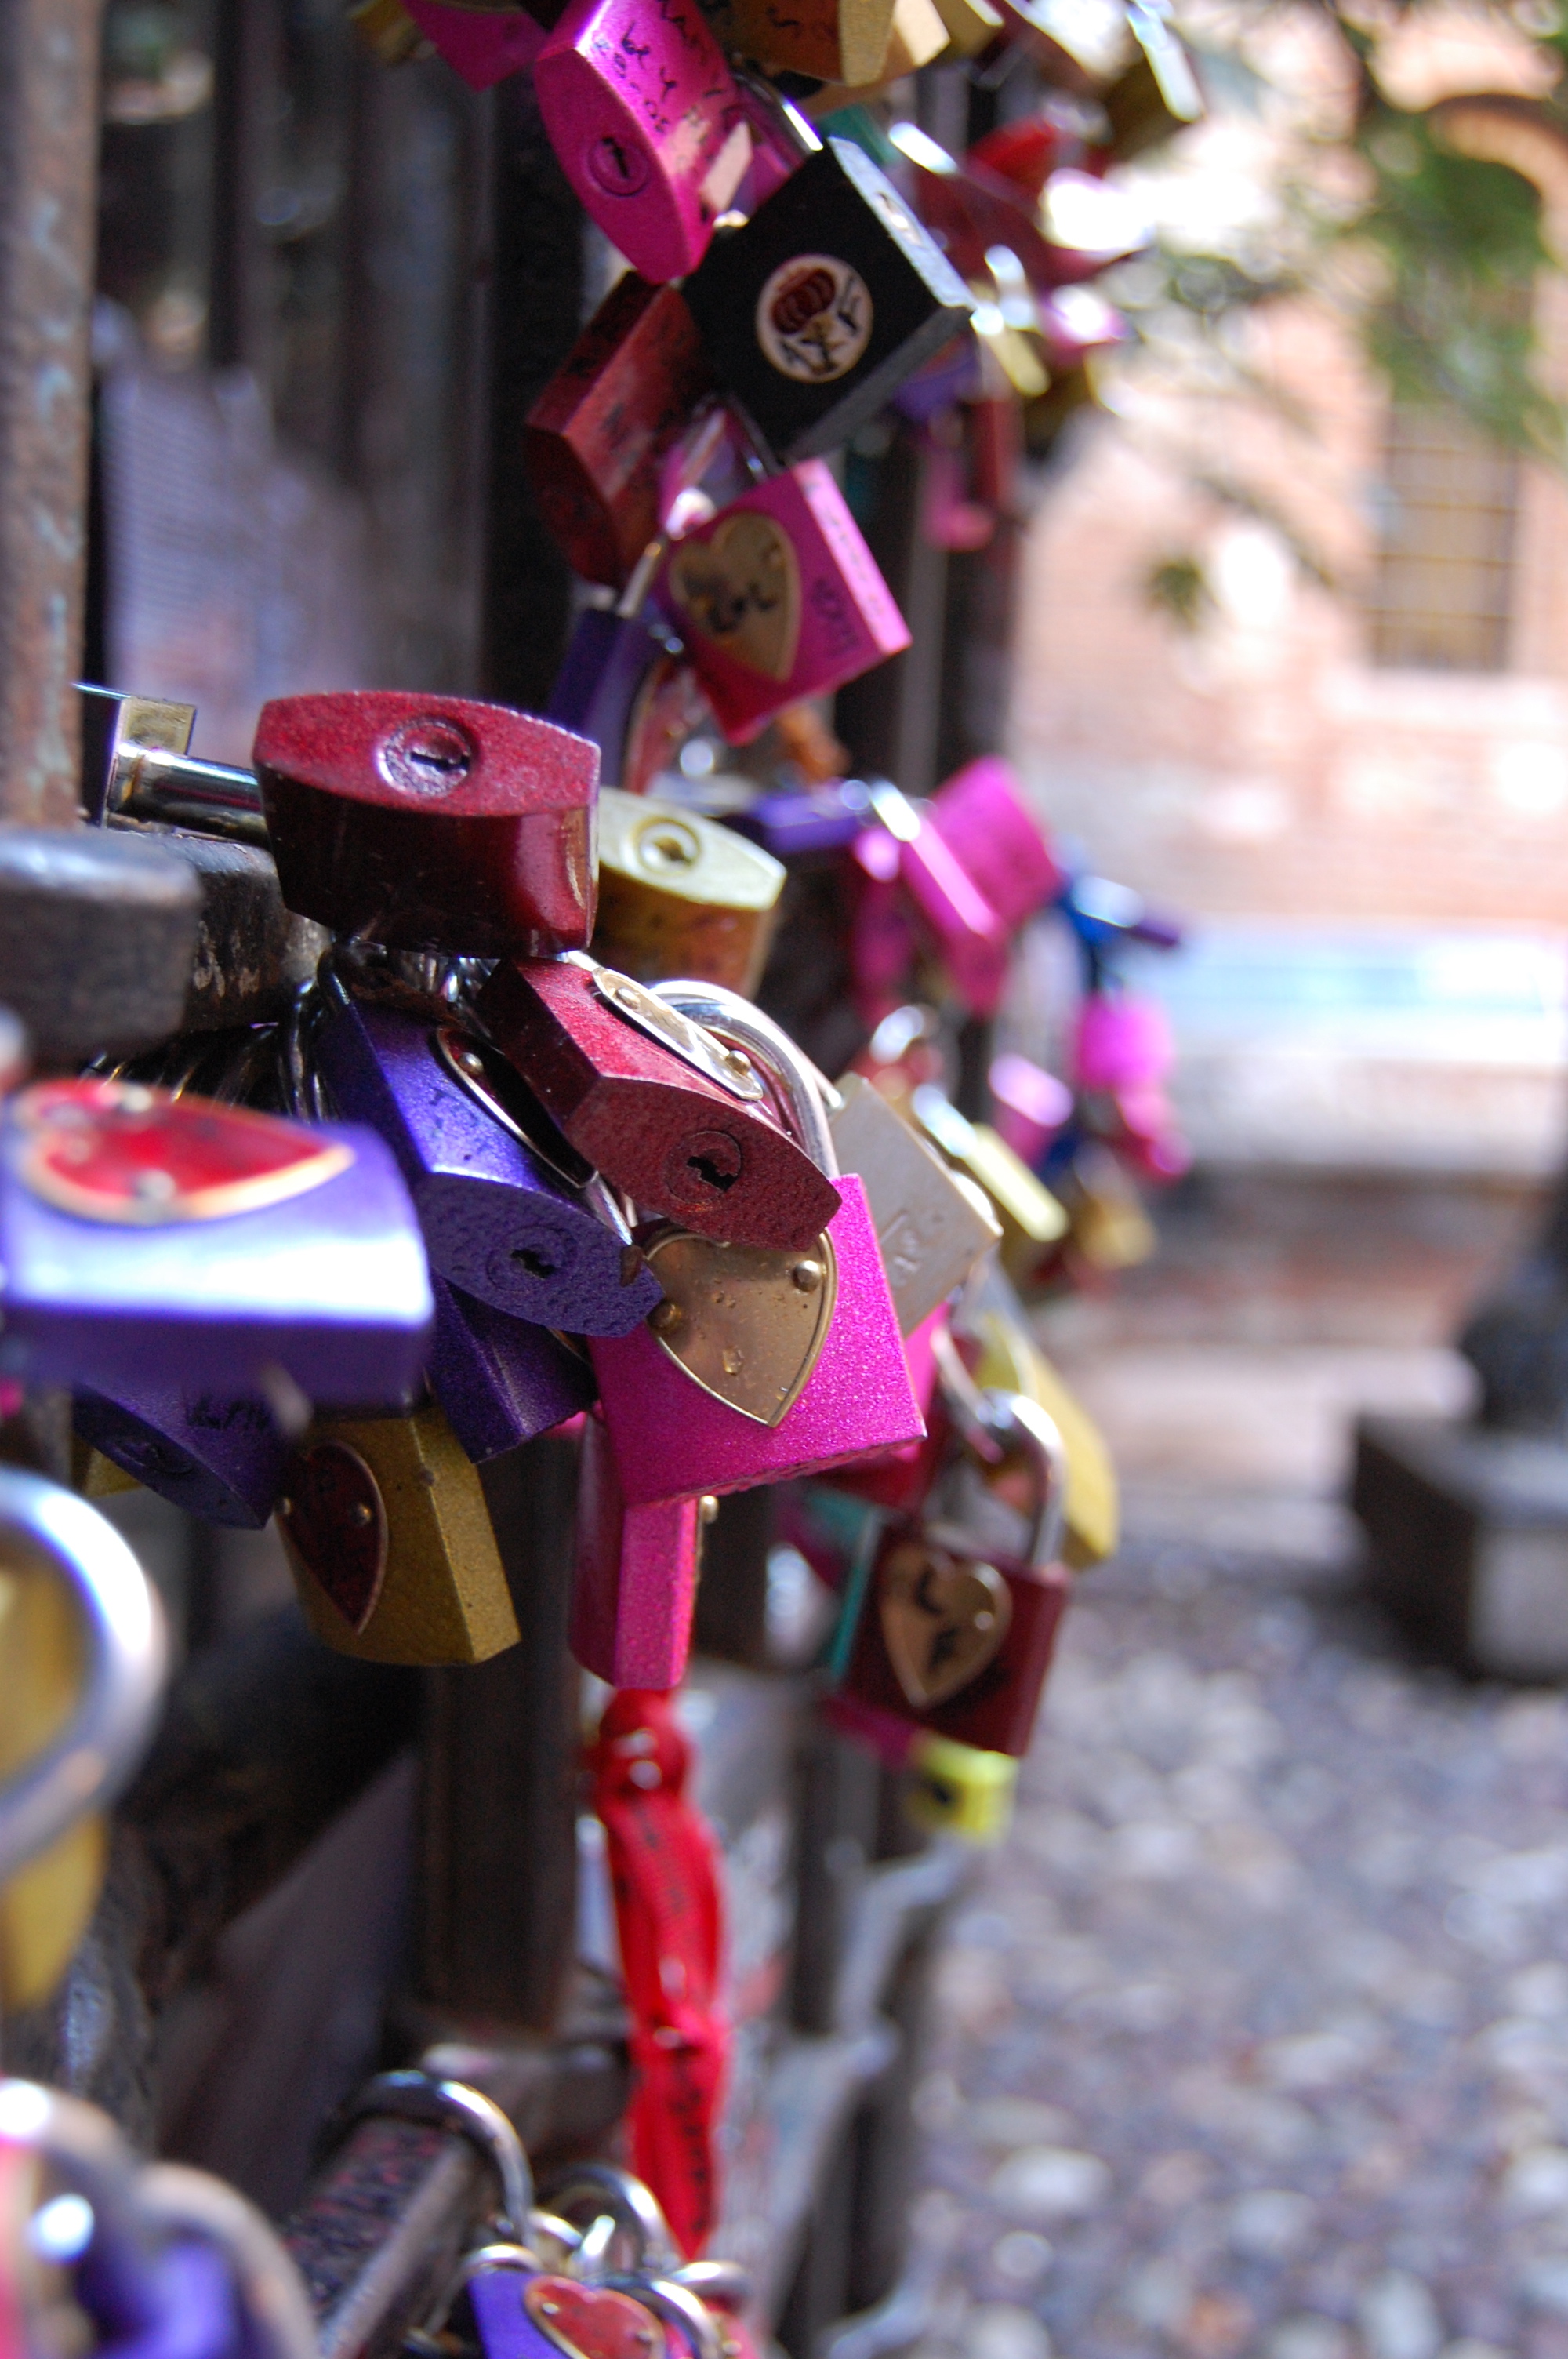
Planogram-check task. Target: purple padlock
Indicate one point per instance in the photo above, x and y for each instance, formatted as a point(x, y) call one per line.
point(500, 1381)
point(806, 826)
point(507, 1209)
point(610, 658)
point(217, 1456)
point(148, 1239)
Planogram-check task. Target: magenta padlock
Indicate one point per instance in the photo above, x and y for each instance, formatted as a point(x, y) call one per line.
point(148, 1239)
point(970, 935)
point(646, 120)
point(1121, 1042)
point(634, 1576)
point(759, 1365)
point(778, 598)
point(982, 818)
point(1029, 1105)
point(482, 44)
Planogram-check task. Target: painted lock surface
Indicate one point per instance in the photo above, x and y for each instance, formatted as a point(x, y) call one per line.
point(483, 43)
point(216, 1455)
point(634, 1577)
point(831, 294)
point(832, 40)
point(982, 818)
point(391, 1543)
point(597, 436)
point(779, 598)
point(501, 1380)
point(643, 113)
point(655, 1104)
point(521, 2315)
point(498, 1219)
point(679, 894)
point(153, 1240)
point(430, 822)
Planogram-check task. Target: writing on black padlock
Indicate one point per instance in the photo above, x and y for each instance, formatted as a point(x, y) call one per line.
point(830, 296)
point(430, 822)
point(662, 1109)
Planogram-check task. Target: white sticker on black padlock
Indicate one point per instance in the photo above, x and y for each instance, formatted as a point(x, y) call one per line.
point(814, 318)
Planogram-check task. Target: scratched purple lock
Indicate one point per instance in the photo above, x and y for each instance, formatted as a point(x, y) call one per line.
point(498, 1221)
point(499, 1380)
point(151, 1240)
point(217, 1456)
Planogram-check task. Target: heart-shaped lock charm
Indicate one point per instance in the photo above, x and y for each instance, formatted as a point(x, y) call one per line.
point(589, 2322)
point(119, 1151)
point(335, 1519)
point(746, 1324)
point(944, 1618)
point(740, 589)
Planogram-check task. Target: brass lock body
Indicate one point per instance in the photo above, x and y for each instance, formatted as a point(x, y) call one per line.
point(45, 1907)
point(391, 1544)
point(680, 895)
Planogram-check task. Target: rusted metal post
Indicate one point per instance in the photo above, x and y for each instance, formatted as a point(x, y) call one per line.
point(48, 138)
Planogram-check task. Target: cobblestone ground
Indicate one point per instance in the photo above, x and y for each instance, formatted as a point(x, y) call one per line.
point(1255, 2034)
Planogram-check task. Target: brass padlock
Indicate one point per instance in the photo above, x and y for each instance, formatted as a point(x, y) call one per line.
point(45, 1907)
point(916, 37)
point(679, 894)
point(833, 40)
point(1010, 1361)
point(391, 1543)
point(1032, 1219)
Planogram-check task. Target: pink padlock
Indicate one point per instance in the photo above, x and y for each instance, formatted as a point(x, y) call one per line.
point(1029, 1105)
point(646, 120)
point(971, 936)
point(1122, 1042)
point(984, 821)
point(634, 1576)
point(777, 597)
point(482, 44)
point(759, 1366)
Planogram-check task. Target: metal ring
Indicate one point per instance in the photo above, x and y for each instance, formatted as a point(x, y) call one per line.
point(678, 2306)
point(724, 2282)
point(1038, 1431)
point(105, 1737)
point(453, 2106)
point(725, 1012)
point(276, 2307)
point(626, 2198)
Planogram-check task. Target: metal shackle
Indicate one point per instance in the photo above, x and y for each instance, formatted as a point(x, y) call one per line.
point(1015, 1420)
point(719, 1010)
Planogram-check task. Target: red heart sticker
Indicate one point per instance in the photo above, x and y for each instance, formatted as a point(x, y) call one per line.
point(593, 2322)
point(336, 1522)
point(121, 1152)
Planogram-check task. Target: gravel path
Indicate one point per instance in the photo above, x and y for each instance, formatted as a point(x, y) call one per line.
point(1255, 2034)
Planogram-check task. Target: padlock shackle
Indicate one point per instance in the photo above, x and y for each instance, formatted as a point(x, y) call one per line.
point(806, 1094)
point(1024, 1423)
point(631, 2204)
point(93, 1755)
point(420, 2096)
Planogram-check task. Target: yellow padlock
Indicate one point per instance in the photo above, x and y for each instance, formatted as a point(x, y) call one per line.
point(1012, 1362)
point(916, 37)
point(45, 1907)
point(1031, 1218)
point(679, 894)
point(956, 1789)
point(391, 1543)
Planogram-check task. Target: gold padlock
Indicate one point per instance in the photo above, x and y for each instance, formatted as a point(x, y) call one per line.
point(1031, 1219)
point(833, 40)
point(916, 37)
point(1109, 1226)
point(387, 30)
point(45, 1907)
point(391, 1543)
point(972, 26)
point(1012, 1362)
point(956, 1789)
point(679, 894)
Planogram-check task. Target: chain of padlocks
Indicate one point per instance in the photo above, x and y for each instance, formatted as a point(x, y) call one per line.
point(407, 1098)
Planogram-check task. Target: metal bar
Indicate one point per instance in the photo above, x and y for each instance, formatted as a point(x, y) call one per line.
point(48, 136)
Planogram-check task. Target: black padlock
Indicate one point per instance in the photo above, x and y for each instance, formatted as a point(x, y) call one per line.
point(819, 308)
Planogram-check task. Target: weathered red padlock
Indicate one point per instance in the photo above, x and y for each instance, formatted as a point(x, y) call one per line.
point(430, 822)
point(597, 436)
point(656, 1104)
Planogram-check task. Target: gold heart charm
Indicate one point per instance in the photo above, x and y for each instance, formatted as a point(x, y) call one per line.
point(745, 1322)
point(944, 1618)
point(742, 590)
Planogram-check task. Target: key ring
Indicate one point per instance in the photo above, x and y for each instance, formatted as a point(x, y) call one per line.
point(415, 2096)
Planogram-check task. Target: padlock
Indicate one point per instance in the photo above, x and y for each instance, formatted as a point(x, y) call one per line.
point(644, 116)
point(930, 1228)
point(503, 1216)
point(969, 934)
point(614, 665)
point(97, 936)
point(760, 1364)
point(996, 839)
point(1032, 1219)
point(150, 1239)
point(658, 1106)
point(1108, 1228)
point(781, 138)
point(831, 294)
point(1103, 913)
point(1009, 1360)
point(973, 210)
point(795, 828)
point(597, 436)
point(777, 598)
point(679, 894)
point(217, 1454)
point(958, 1637)
point(831, 40)
point(391, 1543)
point(958, 1790)
point(481, 42)
point(1121, 1041)
point(524, 2310)
point(430, 822)
point(1030, 1105)
point(918, 36)
point(1157, 95)
point(634, 1576)
point(500, 1380)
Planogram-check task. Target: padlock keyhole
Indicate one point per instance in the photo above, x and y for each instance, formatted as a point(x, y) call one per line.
point(429, 757)
point(708, 1171)
point(537, 1264)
